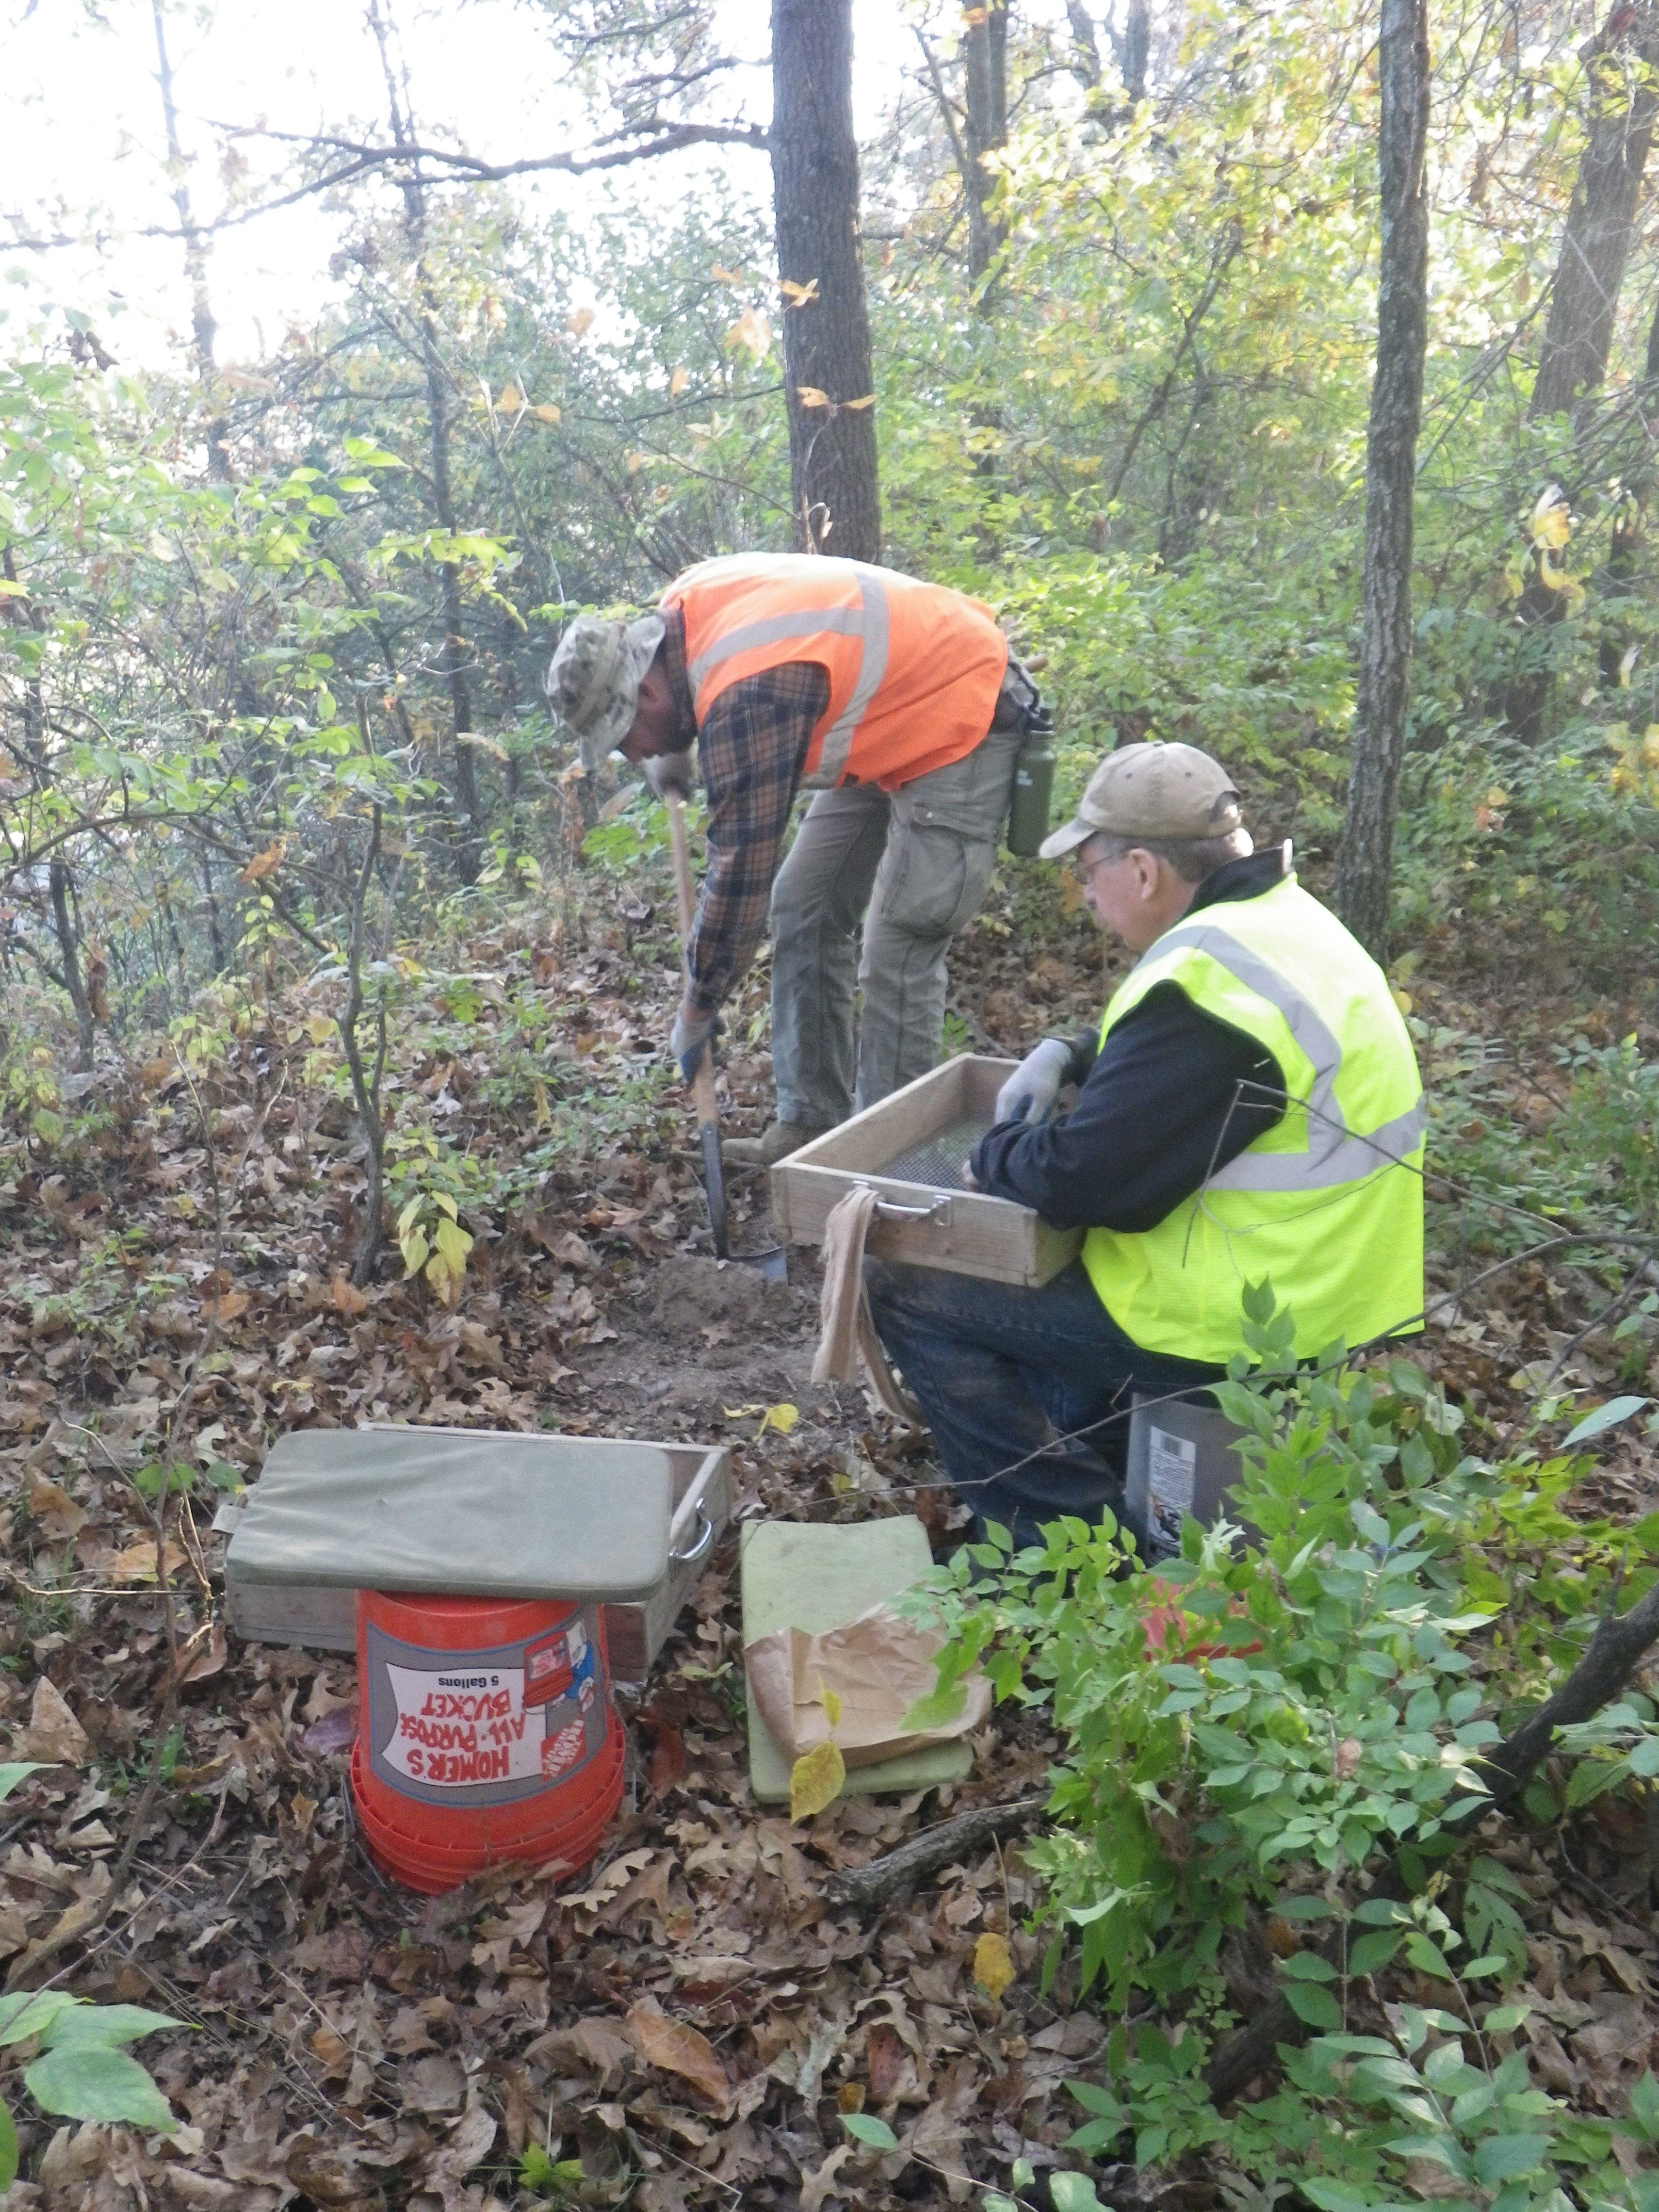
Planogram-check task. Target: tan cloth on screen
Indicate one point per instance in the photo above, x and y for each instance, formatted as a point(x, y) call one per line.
point(878, 1666)
point(845, 1327)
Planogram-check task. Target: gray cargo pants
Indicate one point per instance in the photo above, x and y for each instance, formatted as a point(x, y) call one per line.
point(912, 867)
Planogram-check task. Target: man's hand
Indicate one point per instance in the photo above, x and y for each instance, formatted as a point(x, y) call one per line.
point(1030, 1093)
point(692, 1035)
point(667, 772)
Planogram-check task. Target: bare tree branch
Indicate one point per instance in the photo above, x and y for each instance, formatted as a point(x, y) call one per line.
point(468, 168)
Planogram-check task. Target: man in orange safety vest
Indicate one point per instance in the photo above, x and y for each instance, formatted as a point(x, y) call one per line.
point(899, 704)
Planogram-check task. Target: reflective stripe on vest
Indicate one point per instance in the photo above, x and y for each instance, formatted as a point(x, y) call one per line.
point(1332, 1154)
point(867, 622)
point(914, 669)
point(1327, 1203)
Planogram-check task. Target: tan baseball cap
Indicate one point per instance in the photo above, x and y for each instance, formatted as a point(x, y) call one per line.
point(1152, 791)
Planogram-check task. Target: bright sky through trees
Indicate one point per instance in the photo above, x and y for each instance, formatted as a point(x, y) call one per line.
point(81, 129)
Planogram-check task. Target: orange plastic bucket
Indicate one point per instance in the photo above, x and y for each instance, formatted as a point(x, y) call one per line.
point(484, 1732)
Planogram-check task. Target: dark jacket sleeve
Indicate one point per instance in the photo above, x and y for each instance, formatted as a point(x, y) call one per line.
point(1172, 1095)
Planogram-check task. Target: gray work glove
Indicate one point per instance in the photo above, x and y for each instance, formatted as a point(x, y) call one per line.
point(691, 1037)
point(1030, 1093)
point(667, 772)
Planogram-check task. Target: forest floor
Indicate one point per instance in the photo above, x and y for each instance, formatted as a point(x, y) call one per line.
point(690, 2017)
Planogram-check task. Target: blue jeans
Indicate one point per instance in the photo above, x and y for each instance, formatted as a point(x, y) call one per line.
point(1007, 1376)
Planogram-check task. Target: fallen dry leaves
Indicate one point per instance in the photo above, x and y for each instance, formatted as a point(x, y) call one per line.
point(54, 1735)
point(684, 2051)
point(689, 2018)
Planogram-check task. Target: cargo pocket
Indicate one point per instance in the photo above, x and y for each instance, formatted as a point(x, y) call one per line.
point(939, 882)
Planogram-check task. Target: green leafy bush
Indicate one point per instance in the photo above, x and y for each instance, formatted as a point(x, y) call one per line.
point(1261, 1729)
point(1506, 845)
point(1594, 1164)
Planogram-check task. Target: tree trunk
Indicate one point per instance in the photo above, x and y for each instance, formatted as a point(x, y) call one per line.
point(985, 60)
point(469, 852)
point(1624, 101)
point(216, 952)
point(1085, 57)
point(826, 340)
point(365, 1086)
point(69, 953)
point(1397, 408)
point(204, 329)
point(1132, 47)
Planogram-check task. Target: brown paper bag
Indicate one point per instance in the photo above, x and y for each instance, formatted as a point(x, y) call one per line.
point(878, 1666)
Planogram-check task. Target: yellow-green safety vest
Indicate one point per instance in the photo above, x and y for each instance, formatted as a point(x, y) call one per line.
point(1328, 1203)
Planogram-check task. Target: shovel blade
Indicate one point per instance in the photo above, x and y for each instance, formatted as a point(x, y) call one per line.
point(773, 1263)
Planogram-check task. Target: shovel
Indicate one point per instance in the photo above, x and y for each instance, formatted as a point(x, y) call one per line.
point(771, 1262)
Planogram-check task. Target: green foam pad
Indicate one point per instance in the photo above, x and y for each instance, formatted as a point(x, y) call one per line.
point(797, 1574)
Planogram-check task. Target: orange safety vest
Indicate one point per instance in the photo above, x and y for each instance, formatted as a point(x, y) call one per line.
point(914, 668)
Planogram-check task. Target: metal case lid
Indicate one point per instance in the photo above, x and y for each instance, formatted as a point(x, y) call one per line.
point(466, 1513)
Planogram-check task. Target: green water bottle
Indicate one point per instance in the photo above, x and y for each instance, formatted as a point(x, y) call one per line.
point(1034, 790)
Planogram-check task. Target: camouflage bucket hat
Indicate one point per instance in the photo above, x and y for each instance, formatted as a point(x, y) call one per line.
point(594, 682)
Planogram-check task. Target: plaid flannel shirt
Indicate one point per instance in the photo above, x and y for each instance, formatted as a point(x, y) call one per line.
point(751, 750)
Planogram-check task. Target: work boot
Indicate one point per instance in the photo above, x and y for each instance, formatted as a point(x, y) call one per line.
point(782, 1138)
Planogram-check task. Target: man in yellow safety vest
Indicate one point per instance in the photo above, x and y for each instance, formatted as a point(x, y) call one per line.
point(1248, 1108)
point(898, 702)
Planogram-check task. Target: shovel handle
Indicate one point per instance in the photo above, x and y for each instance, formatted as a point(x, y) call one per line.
point(676, 807)
point(702, 1083)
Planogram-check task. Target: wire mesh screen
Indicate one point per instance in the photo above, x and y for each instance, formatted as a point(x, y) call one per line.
point(939, 1160)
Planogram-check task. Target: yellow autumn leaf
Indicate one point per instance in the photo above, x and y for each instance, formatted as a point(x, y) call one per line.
point(580, 322)
point(725, 276)
point(782, 1417)
point(136, 1564)
point(546, 413)
point(319, 1027)
point(677, 382)
point(830, 1703)
point(993, 1964)
point(1551, 524)
point(1651, 745)
point(809, 396)
point(1550, 575)
point(751, 329)
point(854, 406)
point(511, 399)
point(263, 864)
point(1401, 998)
point(798, 295)
point(636, 462)
point(815, 1781)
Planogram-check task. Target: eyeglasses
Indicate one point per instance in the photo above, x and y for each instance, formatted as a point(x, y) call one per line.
point(1084, 870)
